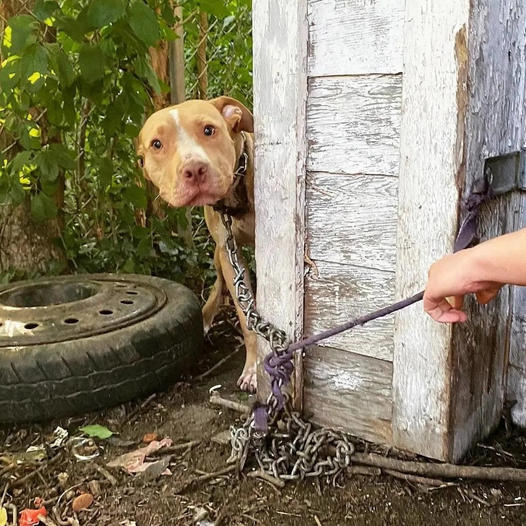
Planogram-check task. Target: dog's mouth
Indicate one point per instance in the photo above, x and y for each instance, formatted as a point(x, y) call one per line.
point(197, 197)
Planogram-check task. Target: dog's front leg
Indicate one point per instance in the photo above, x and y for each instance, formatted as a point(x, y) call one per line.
point(247, 380)
point(213, 303)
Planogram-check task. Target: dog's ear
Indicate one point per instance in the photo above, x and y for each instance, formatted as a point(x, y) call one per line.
point(237, 116)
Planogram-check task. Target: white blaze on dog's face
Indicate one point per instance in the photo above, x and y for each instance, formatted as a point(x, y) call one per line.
point(188, 151)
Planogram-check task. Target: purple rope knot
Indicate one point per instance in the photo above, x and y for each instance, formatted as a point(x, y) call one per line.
point(279, 367)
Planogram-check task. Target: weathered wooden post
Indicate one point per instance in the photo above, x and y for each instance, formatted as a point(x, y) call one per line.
point(373, 120)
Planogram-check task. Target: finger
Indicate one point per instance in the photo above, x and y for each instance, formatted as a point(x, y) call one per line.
point(443, 312)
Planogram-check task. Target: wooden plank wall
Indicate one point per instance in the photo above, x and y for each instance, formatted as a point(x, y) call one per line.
point(431, 152)
point(353, 126)
point(280, 92)
point(495, 125)
point(464, 74)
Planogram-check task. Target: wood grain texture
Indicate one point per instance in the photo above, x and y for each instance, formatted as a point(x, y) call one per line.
point(494, 126)
point(280, 91)
point(341, 292)
point(353, 124)
point(349, 392)
point(431, 149)
point(516, 380)
point(355, 37)
point(351, 219)
point(480, 352)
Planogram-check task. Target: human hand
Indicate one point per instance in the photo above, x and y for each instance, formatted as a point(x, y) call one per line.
point(450, 279)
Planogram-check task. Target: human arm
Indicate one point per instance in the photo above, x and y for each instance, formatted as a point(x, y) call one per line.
point(482, 270)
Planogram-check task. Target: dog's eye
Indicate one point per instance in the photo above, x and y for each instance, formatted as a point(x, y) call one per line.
point(157, 144)
point(140, 160)
point(209, 130)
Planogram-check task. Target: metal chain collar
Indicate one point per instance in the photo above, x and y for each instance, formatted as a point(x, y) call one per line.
point(289, 448)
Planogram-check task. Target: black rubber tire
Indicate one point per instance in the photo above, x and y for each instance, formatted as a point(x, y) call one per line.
point(40, 382)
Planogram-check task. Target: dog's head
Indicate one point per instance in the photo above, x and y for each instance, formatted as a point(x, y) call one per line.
point(188, 151)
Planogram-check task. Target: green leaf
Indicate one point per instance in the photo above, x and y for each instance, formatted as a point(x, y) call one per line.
point(17, 193)
point(21, 159)
point(96, 431)
point(136, 196)
point(63, 156)
point(91, 61)
point(214, 7)
point(47, 163)
point(9, 75)
point(62, 66)
point(76, 29)
point(34, 60)
point(105, 173)
point(42, 207)
point(103, 12)
point(43, 9)
point(143, 21)
point(19, 34)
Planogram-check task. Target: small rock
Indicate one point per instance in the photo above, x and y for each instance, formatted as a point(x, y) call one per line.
point(222, 438)
point(63, 480)
point(94, 487)
point(150, 437)
point(82, 502)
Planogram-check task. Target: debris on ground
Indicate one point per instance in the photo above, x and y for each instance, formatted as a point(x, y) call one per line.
point(41, 460)
point(134, 461)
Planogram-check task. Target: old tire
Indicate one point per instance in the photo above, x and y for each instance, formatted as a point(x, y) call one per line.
point(53, 369)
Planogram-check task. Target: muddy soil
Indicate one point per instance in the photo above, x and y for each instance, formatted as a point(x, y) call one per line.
point(184, 414)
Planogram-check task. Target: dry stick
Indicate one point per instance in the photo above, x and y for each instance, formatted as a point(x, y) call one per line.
point(441, 470)
point(265, 476)
point(216, 366)
point(215, 399)
point(106, 474)
point(136, 411)
point(416, 479)
point(364, 470)
point(29, 476)
point(207, 476)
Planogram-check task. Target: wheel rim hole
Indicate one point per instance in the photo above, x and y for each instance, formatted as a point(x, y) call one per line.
point(105, 312)
point(132, 292)
point(30, 326)
point(71, 321)
point(121, 285)
point(127, 302)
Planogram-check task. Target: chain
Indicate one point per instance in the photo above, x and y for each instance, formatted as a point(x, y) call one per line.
point(284, 445)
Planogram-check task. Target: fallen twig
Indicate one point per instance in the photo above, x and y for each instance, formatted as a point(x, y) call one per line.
point(202, 376)
point(106, 474)
point(265, 476)
point(205, 477)
point(209, 476)
point(136, 411)
point(364, 470)
point(29, 476)
point(215, 399)
point(441, 470)
point(417, 479)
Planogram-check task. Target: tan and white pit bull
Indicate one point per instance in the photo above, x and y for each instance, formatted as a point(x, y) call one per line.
point(191, 152)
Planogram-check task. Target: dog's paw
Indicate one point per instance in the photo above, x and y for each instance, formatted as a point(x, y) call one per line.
point(247, 381)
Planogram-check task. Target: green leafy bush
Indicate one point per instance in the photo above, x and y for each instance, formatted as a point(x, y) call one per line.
point(76, 83)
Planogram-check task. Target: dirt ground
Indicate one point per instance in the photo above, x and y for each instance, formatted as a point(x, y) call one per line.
point(184, 414)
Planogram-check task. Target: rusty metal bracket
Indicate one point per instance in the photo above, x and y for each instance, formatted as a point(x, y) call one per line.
point(506, 172)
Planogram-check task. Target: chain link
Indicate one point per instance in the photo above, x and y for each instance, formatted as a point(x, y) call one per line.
point(291, 449)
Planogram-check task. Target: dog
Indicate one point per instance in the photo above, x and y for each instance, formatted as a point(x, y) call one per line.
point(201, 153)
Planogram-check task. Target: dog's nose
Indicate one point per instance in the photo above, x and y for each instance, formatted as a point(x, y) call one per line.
point(195, 171)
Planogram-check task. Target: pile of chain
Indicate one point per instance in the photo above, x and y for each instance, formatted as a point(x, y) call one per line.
point(283, 444)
